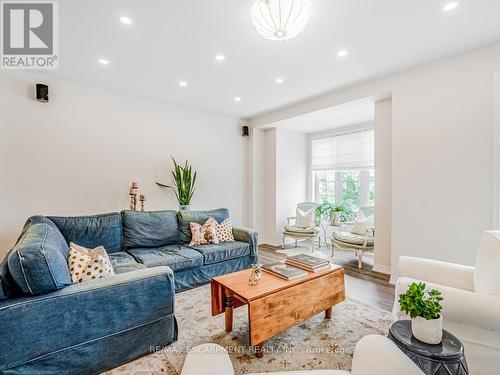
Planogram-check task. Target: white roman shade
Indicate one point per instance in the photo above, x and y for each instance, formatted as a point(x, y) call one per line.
point(345, 151)
point(322, 153)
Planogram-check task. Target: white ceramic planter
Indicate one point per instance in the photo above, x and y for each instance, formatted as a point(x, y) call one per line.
point(428, 331)
point(335, 217)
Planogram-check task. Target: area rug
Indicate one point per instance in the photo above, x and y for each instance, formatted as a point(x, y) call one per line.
point(314, 344)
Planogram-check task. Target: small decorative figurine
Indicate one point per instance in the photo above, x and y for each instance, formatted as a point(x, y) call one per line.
point(142, 198)
point(133, 195)
point(256, 274)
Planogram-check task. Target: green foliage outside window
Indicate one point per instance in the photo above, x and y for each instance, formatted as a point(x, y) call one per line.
point(351, 189)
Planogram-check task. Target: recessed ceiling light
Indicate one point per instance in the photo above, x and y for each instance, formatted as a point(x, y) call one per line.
point(125, 20)
point(104, 61)
point(220, 57)
point(342, 53)
point(450, 6)
point(237, 99)
point(183, 83)
point(279, 80)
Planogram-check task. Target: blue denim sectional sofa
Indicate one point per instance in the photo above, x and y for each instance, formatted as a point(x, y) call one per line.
point(50, 326)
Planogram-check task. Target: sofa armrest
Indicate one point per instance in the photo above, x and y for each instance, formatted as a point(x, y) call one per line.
point(207, 359)
point(449, 274)
point(37, 326)
point(460, 306)
point(377, 355)
point(249, 236)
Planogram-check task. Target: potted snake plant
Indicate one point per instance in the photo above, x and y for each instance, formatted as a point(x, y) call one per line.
point(424, 308)
point(184, 180)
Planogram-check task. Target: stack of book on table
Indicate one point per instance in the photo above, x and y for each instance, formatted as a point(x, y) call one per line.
point(297, 266)
point(308, 262)
point(284, 271)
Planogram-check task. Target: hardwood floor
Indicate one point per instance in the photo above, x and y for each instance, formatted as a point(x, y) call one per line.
point(363, 285)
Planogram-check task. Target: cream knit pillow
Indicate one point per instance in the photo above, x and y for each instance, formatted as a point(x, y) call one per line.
point(487, 272)
point(88, 264)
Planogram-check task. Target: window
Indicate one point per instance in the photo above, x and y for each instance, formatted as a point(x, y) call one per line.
point(325, 185)
point(342, 168)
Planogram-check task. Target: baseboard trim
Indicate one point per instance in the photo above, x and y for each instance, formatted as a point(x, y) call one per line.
point(393, 280)
point(382, 269)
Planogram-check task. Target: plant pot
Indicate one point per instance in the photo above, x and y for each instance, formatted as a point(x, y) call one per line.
point(428, 331)
point(184, 207)
point(335, 217)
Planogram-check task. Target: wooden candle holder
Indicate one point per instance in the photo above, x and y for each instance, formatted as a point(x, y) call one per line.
point(133, 195)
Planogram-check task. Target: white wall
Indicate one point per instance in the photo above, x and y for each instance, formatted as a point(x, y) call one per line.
point(383, 186)
point(291, 175)
point(270, 175)
point(279, 179)
point(78, 153)
point(441, 152)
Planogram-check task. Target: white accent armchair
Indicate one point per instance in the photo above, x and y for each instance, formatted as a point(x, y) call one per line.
point(359, 243)
point(297, 233)
point(374, 355)
point(469, 313)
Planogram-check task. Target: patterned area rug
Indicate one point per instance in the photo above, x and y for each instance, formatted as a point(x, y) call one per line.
point(314, 344)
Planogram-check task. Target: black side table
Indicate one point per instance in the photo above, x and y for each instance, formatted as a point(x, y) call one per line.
point(447, 358)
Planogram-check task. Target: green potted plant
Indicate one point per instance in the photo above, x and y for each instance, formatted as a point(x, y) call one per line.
point(324, 211)
point(424, 308)
point(334, 213)
point(184, 179)
point(344, 212)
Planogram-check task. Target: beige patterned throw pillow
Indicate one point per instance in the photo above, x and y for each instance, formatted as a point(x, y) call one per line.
point(204, 234)
point(225, 231)
point(88, 264)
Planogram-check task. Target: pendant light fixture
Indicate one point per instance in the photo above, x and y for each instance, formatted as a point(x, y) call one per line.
point(280, 19)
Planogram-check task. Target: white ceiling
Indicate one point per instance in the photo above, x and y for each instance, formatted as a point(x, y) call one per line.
point(172, 40)
point(352, 113)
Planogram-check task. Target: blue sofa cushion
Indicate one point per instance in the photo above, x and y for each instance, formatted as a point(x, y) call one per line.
point(175, 256)
point(186, 217)
point(38, 261)
point(149, 229)
point(123, 262)
point(215, 253)
point(92, 231)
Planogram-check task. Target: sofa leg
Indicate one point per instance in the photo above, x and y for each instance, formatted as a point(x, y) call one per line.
point(360, 258)
point(333, 252)
point(295, 242)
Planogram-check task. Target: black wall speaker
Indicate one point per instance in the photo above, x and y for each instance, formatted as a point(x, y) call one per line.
point(42, 93)
point(244, 131)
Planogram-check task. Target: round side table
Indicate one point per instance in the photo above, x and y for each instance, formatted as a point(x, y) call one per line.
point(447, 358)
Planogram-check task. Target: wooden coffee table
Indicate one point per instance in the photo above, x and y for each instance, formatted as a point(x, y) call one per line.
point(276, 305)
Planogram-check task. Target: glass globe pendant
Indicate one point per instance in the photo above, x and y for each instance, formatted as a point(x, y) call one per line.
point(280, 19)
